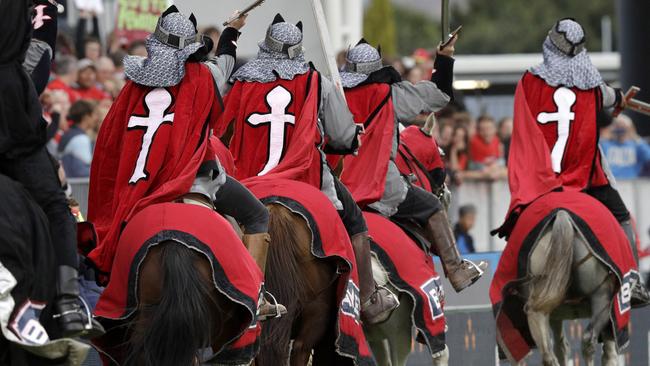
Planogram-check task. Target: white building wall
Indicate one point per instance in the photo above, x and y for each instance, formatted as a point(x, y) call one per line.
point(345, 21)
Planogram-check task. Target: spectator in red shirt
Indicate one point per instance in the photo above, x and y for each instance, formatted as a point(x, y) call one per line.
point(485, 148)
point(87, 82)
point(66, 77)
point(486, 151)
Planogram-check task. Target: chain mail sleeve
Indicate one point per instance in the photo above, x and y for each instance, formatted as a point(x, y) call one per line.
point(337, 121)
point(221, 66)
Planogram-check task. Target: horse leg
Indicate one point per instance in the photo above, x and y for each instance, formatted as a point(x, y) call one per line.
point(540, 329)
point(610, 353)
point(400, 337)
point(600, 305)
point(381, 351)
point(561, 343)
point(441, 358)
point(316, 320)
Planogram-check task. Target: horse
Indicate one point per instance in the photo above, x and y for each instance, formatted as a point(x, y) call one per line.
point(391, 341)
point(180, 302)
point(180, 312)
point(306, 285)
point(562, 266)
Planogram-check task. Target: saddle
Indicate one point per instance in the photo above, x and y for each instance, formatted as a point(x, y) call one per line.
point(416, 234)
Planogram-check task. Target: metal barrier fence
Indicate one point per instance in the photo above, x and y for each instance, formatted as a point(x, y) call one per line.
point(491, 200)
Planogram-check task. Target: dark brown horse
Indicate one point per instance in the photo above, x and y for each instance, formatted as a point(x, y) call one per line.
point(179, 312)
point(306, 285)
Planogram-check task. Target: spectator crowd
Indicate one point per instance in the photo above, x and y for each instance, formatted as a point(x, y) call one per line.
point(88, 74)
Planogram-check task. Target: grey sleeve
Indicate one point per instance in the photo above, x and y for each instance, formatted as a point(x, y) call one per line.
point(410, 100)
point(609, 95)
point(221, 68)
point(337, 121)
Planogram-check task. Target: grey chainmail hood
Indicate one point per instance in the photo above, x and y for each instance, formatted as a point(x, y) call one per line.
point(271, 63)
point(361, 61)
point(560, 68)
point(165, 65)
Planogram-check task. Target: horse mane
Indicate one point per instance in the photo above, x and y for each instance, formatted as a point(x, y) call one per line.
point(164, 336)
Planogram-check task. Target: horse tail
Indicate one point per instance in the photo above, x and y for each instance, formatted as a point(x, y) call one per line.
point(285, 279)
point(550, 286)
point(171, 332)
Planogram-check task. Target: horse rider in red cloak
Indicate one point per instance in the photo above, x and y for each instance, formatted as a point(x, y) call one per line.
point(153, 146)
point(379, 99)
point(555, 138)
point(286, 117)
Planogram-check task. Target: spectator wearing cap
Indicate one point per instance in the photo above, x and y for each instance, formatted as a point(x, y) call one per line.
point(66, 76)
point(76, 147)
point(87, 82)
point(466, 221)
point(626, 152)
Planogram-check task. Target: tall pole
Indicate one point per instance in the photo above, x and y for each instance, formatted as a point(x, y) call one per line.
point(444, 20)
point(326, 44)
point(634, 38)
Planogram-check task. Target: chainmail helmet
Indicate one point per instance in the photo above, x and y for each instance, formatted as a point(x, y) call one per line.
point(360, 61)
point(281, 54)
point(175, 39)
point(566, 62)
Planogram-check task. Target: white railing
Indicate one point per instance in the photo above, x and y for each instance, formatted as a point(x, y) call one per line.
point(491, 201)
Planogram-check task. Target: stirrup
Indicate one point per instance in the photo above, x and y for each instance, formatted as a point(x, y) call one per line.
point(640, 296)
point(85, 308)
point(276, 308)
point(480, 267)
point(386, 314)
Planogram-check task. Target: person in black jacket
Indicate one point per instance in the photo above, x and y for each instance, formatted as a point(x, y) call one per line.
point(23, 156)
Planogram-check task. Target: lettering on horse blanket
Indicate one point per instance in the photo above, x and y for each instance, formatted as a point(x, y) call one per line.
point(607, 241)
point(330, 240)
point(234, 272)
point(411, 271)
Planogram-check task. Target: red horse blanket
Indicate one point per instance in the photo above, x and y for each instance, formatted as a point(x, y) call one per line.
point(234, 273)
point(411, 271)
point(604, 235)
point(329, 240)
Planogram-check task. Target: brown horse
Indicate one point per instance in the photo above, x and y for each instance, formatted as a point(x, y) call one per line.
point(306, 285)
point(180, 312)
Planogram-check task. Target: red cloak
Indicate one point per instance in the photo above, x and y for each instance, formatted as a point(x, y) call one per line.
point(275, 128)
point(365, 173)
point(148, 151)
point(551, 155)
point(417, 156)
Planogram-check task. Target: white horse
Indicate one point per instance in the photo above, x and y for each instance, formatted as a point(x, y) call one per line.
point(562, 266)
point(391, 340)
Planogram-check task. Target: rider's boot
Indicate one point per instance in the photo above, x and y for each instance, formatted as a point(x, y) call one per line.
point(640, 295)
point(74, 320)
point(377, 303)
point(461, 273)
point(258, 247)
